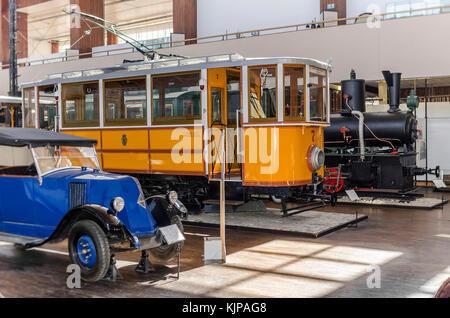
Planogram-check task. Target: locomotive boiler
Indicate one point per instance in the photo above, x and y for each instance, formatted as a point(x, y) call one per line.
point(372, 150)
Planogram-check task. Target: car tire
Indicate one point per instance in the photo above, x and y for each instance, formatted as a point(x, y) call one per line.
point(89, 249)
point(166, 253)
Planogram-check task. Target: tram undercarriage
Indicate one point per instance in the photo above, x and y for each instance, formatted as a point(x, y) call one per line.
point(197, 191)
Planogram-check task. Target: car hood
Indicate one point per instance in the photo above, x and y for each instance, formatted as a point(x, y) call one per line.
point(101, 187)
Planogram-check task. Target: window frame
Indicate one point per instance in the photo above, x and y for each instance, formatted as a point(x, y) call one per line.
point(161, 122)
point(124, 122)
point(295, 119)
point(267, 120)
point(79, 123)
point(24, 122)
point(325, 92)
point(39, 90)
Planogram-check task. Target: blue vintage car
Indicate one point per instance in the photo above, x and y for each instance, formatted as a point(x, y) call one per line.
point(52, 188)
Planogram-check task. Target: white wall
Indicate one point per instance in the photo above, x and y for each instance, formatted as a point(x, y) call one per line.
point(39, 48)
point(227, 16)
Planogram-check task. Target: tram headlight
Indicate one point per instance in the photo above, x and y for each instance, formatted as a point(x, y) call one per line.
point(315, 158)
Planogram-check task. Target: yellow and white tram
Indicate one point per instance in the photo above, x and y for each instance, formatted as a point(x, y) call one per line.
point(162, 121)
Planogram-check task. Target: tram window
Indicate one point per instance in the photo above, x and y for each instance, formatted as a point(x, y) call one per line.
point(233, 96)
point(29, 115)
point(176, 98)
point(126, 102)
point(318, 94)
point(47, 107)
point(263, 93)
point(3, 121)
point(80, 104)
point(294, 93)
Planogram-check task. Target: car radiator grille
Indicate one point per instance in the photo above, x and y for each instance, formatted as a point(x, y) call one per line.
point(77, 194)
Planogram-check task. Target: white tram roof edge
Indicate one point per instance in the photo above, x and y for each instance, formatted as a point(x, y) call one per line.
point(172, 65)
point(10, 100)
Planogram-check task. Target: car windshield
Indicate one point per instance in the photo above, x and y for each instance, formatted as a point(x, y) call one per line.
point(51, 158)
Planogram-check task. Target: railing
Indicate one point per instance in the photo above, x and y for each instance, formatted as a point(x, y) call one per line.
point(259, 32)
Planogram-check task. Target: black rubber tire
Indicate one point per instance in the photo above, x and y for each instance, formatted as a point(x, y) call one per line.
point(98, 236)
point(166, 253)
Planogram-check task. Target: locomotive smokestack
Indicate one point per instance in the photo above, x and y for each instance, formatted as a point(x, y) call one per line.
point(393, 83)
point(355, 89)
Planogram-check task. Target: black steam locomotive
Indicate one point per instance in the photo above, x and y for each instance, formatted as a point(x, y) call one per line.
point(372, 150)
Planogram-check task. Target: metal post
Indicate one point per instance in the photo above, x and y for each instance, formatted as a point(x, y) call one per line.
point(222, 197)
point(426, 130)
point(13, 85)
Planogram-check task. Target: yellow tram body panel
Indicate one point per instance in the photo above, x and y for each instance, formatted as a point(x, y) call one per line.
point(125, 150)
point(277, 156)
point(177, 150)
point(125, 139)
point(91, 134)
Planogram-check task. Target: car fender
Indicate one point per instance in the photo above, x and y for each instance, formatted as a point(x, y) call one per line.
point(99, 214)
point(159, 207)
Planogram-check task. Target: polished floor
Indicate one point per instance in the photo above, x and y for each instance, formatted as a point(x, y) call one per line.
point(406, 253)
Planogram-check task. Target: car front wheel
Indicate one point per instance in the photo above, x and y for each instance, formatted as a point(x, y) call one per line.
point(89, 249)
point(165, 253)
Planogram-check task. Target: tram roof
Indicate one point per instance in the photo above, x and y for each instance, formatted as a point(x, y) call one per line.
point(10, 100)
point(141, 68)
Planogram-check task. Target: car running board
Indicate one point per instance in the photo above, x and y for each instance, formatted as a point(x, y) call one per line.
point(27, 242)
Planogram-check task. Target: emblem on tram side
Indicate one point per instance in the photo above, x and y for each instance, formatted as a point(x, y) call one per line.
point(124, 140)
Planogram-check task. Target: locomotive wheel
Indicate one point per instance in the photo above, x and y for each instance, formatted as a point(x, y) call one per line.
point(331, 182)
point(166, 253)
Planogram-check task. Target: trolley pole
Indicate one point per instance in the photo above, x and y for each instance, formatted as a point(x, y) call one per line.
point(222, 197)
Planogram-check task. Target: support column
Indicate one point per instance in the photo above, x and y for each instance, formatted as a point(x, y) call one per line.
point(54, 46)
point(79, 39)
point(185, 18)
point(22, 33)
point(340, 6)
point(111, 39)
point(4, 31)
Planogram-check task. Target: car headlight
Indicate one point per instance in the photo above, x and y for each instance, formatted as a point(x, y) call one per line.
point(180, 207)
point(315, 158)
point(173, 197)
point(118, 204)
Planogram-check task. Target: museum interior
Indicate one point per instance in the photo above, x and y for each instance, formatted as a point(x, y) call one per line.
point(224, 149)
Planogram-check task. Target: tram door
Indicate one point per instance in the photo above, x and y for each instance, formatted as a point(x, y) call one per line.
point(224, 101)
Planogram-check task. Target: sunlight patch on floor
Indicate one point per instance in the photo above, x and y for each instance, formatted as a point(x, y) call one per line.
point(283, 268)
point(420, 295)
point(358, 255)
point(443, 236)
point(51, 251)
point(433, 285)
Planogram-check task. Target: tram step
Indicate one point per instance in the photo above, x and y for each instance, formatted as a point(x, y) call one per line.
point(227, 202)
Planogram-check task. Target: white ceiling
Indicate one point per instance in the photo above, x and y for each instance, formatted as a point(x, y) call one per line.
point(46, 21)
